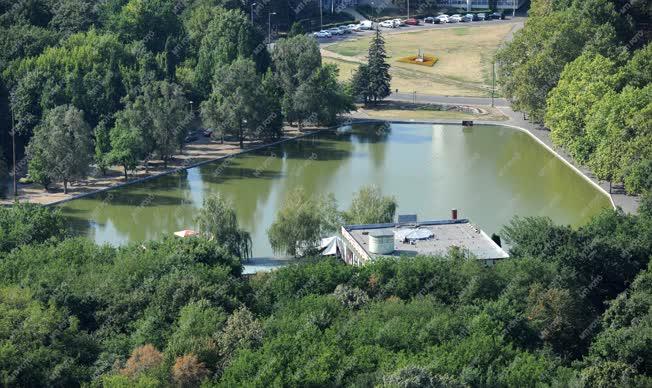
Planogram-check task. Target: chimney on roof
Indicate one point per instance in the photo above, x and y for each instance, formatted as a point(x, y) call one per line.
point(453, 214)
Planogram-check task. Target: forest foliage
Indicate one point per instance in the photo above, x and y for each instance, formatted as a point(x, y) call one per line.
point(571, 307)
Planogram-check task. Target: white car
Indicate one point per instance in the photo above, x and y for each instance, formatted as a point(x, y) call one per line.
point(398, 22)
point(442, 18)
point(455, 18)
point(322, 34)
point(366, 25)
point(335, 31)
point(353, 27)
point(387, 24)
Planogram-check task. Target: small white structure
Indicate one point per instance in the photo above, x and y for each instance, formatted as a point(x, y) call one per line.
point(186, 233)
point(331, 246)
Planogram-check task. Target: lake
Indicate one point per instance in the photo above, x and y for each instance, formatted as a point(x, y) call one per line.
point(489, 173)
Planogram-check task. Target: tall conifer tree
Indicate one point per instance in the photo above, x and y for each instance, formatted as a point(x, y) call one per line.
point(378, 70)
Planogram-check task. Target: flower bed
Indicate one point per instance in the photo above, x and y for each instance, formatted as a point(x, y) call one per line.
point(427, 60)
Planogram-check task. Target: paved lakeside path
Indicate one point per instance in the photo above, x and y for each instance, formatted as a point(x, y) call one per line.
point(628, 203)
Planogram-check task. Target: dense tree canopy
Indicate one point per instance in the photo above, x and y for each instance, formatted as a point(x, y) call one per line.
point(61, 146)
point(585, 78)
point(569, 308)
point(129, 65)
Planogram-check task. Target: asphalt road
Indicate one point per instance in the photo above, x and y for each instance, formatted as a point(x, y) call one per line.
point(453, 100)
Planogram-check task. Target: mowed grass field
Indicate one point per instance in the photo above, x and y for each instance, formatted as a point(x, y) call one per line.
point(463, 69)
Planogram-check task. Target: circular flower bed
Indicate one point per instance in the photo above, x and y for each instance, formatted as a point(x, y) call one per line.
point(425, 60)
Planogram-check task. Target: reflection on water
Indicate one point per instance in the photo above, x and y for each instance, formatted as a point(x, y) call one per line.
point(489, 173)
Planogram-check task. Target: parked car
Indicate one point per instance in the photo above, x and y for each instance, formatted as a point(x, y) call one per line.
point(366, 25)
point(335, 31)
point(387, 24)
point(454, 18)
point(429, 19)
point(411, 22)
point(480, 16)
point(467, 18)
point(207, 132)
point(353, 27)
point(190, 138)
point(322, 34)
point(496, 15)
point(442, 18)
point(344, 30)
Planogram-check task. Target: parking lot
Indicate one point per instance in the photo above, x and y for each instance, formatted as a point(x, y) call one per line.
point(421, 27)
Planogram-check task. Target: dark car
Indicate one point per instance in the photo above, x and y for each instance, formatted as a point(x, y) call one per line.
point(479, 17)
point(467, 18)
point(496, 15)
point(431, 19)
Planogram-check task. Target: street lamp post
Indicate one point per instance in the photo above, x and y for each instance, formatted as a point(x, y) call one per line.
point(252, 12)
point(190, 103)
point(321, 16)
point(408, 9)
point(269, 26)
point(493, 82)
point(13, 146)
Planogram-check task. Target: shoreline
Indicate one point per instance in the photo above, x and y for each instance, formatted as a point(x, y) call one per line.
point(629, 204)
point(184, 162)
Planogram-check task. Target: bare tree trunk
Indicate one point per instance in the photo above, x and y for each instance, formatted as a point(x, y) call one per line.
point(65, 186)
point(126, 176)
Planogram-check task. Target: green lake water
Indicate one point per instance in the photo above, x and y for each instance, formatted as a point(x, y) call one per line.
point(489, 173)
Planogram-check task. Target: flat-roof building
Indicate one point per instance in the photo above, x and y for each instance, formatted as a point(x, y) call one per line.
point(364, 243)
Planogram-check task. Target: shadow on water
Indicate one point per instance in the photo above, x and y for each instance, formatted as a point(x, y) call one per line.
point(129, 197)
point(220, 174)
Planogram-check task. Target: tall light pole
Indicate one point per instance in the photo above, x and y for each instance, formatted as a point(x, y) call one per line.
point(321, 16)
point(13, 146)
point(408, 9)
point(493, 81)
point(269, 26)
point(513, 8)
point(252, 12)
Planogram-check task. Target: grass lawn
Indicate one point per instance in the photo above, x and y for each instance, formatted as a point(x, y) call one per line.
point(463, 68)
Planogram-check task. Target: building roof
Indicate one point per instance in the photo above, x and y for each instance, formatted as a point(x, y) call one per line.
point(445, 235)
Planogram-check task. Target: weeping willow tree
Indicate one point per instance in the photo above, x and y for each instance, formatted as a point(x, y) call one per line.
point(217, 220)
